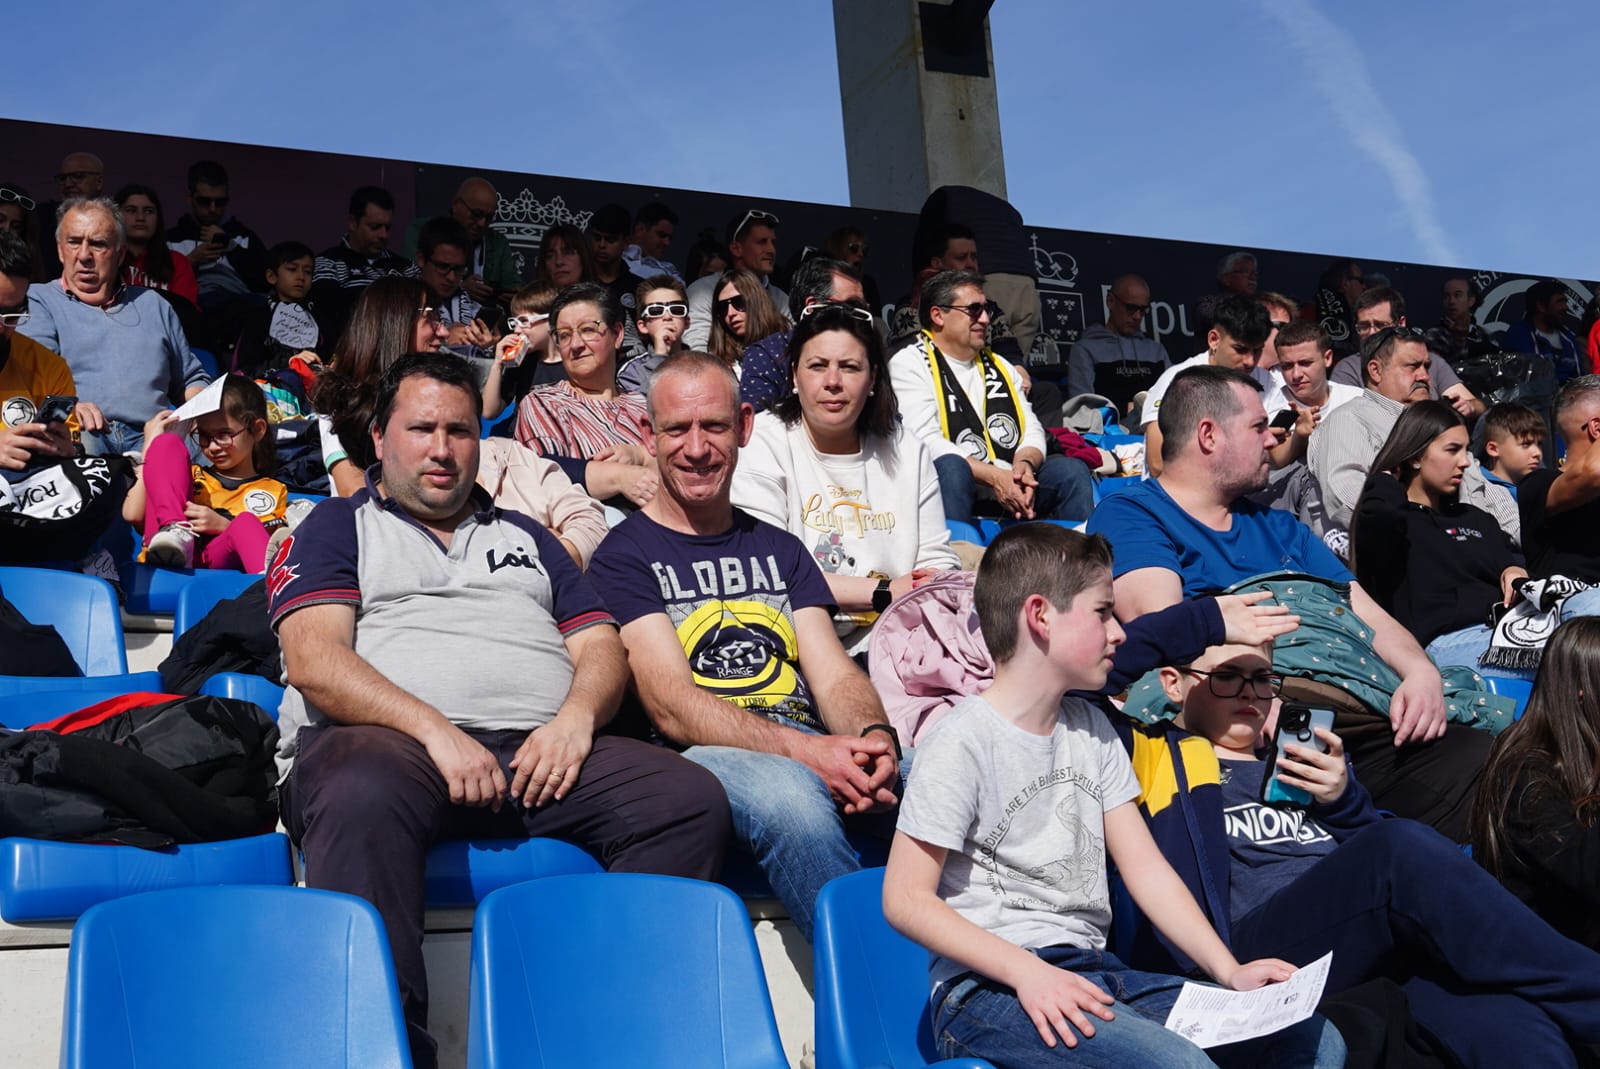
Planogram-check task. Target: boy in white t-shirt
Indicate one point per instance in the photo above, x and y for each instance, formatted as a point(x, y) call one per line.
point(999, 861)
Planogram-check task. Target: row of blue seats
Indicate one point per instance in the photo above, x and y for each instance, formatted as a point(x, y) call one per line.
point(621, 969)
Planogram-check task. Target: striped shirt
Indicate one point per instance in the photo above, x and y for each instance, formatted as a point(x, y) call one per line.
point(556, 420)
point(347, 269)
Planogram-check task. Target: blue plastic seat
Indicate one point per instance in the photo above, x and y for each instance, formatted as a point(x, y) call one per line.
point(27, 706)
point(618, 969)
point(1520, 689)
point(961, 531)
point(82, 609)
point(42, 880)
point(461, 873)
point(248, 977)
point(246, 688)
point(1116, 484)
point(206, 587)
point(871, 984)
point(151, 591)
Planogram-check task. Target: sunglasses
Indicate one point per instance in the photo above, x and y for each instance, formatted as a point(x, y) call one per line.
point(659, 310)
point(75, 176)
point(736, 302)
point(14, 317)
point(431, 315)
point(755, 216)
point(17, 198)
point(858, 248)
point(526, 320)
point(210, 202)
point(974, 311)
point(842, 308)
point(1132, 309)
point(448, 269)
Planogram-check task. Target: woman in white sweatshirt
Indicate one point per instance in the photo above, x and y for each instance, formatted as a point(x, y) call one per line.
point(830, 465)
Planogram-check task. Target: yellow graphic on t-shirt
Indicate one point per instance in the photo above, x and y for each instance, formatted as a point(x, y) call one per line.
point(744, 652)
point(845, 511)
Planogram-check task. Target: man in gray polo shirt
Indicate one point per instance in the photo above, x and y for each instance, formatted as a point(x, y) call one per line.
point(439, 649)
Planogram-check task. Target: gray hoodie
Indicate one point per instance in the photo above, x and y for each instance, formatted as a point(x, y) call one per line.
point(1114, 365)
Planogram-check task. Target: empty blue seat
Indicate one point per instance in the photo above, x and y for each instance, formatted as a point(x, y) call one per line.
point(248, 977)
point(1116, 484)
point(151, 591)
point(42, 880)
point(247, 688)
point(1520, 689)
point(200, 594)
point(618, 969)
point(81, 608)
point(462, 872)
point(871, 984)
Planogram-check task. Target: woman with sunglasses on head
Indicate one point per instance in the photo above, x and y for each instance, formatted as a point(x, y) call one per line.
point(830, 465)
point(741, 312)
point(1436, 564)
point(17, 217)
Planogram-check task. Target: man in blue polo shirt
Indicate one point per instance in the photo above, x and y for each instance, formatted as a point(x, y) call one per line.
point(1191, 531)
point(440, 650)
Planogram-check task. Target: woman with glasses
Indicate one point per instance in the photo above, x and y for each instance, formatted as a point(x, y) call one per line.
point(586, 421)
point(1435, 563)
point(830, 465)
point(741, 312)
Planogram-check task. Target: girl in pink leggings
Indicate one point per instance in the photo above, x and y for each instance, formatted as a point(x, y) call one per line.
point(219, 516)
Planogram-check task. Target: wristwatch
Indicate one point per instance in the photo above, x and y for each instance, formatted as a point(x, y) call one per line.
point(881, 596)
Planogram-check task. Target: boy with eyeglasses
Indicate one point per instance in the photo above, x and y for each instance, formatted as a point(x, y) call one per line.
point(1390, 898)
point(661, 310)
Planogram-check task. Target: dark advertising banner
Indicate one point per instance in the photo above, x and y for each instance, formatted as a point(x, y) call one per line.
point(288, 193)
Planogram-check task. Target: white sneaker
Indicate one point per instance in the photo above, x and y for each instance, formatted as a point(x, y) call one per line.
point(171, 547)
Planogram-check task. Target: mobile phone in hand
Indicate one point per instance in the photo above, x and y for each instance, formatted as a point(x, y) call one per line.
point(56, 408)
point(1297, 724)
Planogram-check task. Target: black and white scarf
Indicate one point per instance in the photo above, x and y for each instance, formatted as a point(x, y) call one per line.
point(1520, 634)
point(990, 435)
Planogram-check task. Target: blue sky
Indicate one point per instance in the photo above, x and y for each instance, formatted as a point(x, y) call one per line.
point(1426, 132)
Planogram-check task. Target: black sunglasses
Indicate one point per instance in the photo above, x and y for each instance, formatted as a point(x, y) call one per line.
point(736, 302)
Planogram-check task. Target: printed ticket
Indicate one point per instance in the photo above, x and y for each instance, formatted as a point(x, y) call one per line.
point(1213, 1016)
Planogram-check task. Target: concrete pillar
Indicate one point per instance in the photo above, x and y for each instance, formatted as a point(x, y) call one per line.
point(916, 81)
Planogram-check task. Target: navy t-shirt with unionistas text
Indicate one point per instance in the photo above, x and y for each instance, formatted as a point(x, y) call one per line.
point(731, 598)
point(1268, 846)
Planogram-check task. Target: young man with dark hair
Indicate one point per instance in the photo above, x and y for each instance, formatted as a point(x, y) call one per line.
point(753, 245)
point(653, 228)
point(229, 259)
point(494, 275)
point(361, 257)
point(444, 259)
point(1545, 330)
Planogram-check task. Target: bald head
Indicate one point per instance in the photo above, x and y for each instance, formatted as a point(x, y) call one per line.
point(1126, 305)
point(474, 205)
point(81, 175)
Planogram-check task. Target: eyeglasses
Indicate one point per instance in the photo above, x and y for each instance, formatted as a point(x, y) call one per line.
point(736, 302)
point(841, 308)
point(755, 216)
point(222, 438)
point(589, 332)
point(1131, 308)
point(1227, 683)
point(17, 198)
point(431, 315)
point(660, 310)
point(14, 316)
point(858, 248)
point(526, 320)
point(974, 311)
point(208, 202)
point(477, 215)
point(75, 176)
point(447, 269)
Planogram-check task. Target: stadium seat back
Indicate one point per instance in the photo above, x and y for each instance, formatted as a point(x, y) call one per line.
point(618, 969)
point(248, 977)
point(82, 609)
point(202, 592)
point(871, 984)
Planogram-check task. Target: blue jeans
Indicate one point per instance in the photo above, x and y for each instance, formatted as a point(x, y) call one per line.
point(1465, 646)
point(1065, 492)
point(116, 439)
point(1397, 899)
point(785, 818)
point(975, 1018)
point(1583, 603)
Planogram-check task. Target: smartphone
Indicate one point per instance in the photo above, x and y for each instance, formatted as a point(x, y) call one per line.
point(1285, 419)
point(56, 408)
point(1297, 724)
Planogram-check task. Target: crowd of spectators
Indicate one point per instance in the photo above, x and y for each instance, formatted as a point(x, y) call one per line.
point(705, 492)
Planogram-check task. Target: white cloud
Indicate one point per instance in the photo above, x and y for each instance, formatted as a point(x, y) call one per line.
point(1340, 74)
